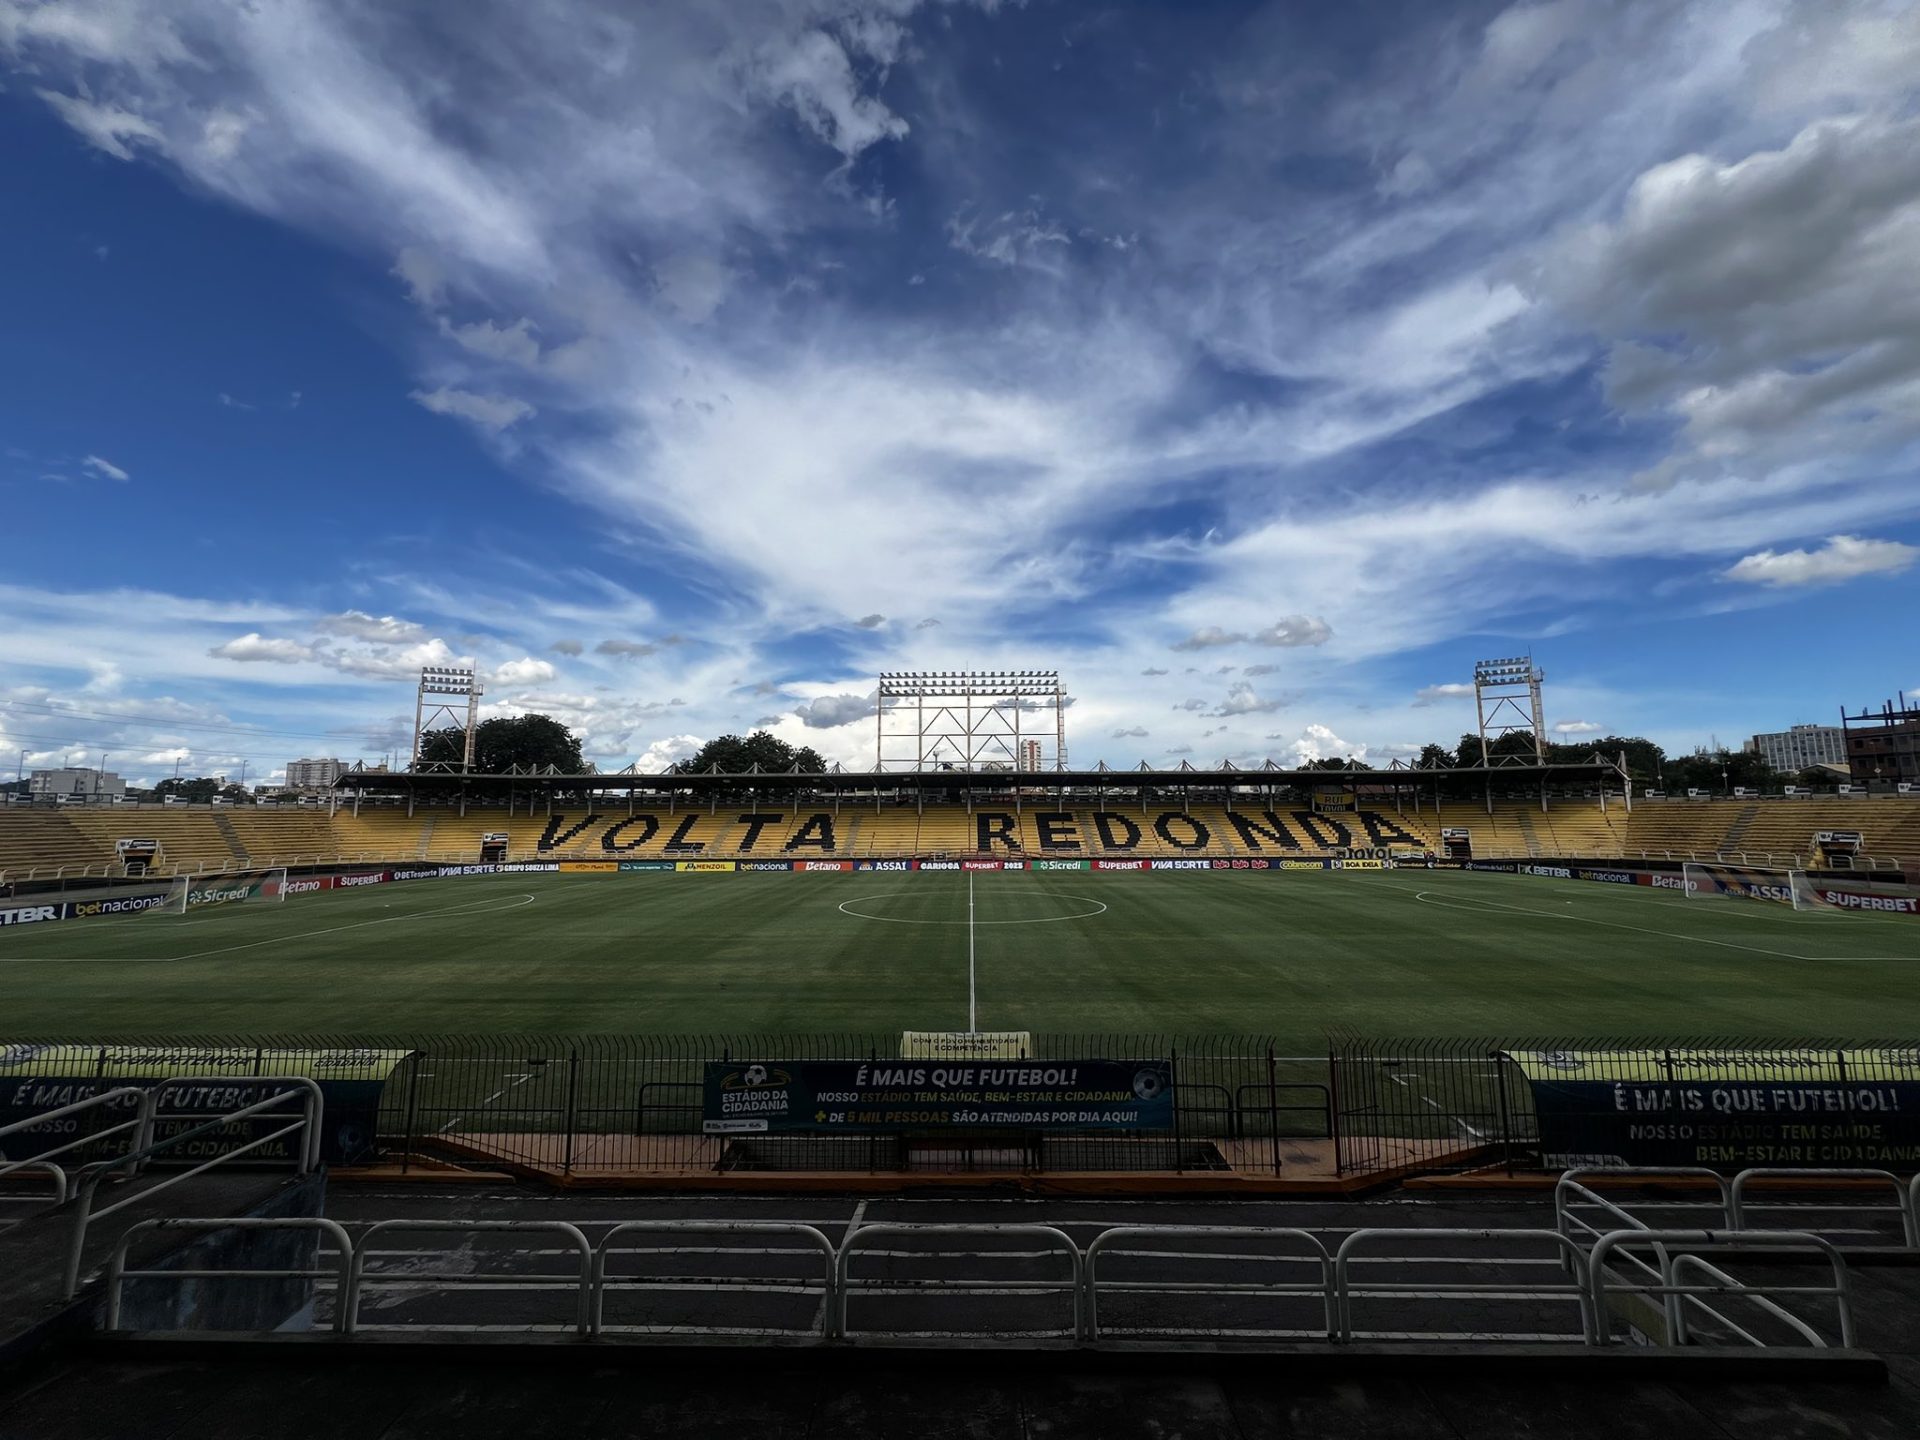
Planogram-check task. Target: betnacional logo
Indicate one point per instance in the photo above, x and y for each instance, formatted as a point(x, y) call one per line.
point(81, 909)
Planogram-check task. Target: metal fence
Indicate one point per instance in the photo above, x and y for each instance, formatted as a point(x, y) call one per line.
point(1465, 1104)
point(633, 1104)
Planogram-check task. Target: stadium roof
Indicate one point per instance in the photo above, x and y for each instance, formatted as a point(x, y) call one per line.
point(441, 778)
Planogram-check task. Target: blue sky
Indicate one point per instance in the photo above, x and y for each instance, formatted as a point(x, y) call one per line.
point(683, 367)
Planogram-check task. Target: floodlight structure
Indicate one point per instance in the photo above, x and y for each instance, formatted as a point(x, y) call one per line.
point(1499, 689)
point(447, 696)
point(970, 720)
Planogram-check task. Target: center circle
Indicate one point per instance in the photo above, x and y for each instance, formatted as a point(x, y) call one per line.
point(1092, 908)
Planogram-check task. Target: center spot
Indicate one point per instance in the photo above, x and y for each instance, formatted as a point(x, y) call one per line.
point(1049, 909)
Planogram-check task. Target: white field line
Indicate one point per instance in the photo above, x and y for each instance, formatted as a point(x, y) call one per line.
point(1433, 1104)
point(470, 906)
point(1476, 905)
point(1099, 908)
point(518, 1080)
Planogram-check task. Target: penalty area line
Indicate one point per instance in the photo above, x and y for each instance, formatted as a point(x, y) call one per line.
point(1477, 906)
point(469, 906)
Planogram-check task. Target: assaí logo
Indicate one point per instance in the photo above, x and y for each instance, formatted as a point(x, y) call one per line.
point(883, 865)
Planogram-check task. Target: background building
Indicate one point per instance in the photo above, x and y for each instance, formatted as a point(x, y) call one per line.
point(1795, 749)
point(1884, 744)
point(1029, 754)
point(88, 785)
point(310, 774)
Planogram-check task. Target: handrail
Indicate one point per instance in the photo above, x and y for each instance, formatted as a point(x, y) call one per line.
point(1809, 1179)
point(357, 1271)
point(788, 1229)
point(1675, 1295)
point(1576, 1289)
point(1574, 1180)
point(1114, 1240)
point(1057, 1239)
point(92, 1175)
point(293, 1082)
point(138, 1124)
point(118, 1274)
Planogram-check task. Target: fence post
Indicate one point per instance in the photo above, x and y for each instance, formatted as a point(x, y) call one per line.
point(1273, 1109)
point(573, 1097)
point(1333, 1106)
point(413, 1110)
point(1173, 1074)
point(1506, 1115)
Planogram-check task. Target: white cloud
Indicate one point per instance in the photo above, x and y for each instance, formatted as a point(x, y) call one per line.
point(105, 469)
point(826, 712)
point(105, 126)
point(811, 73)
point(1432, 694)
point(629, 649)
point(257, 647)
point(1843, 557)
point(1241, 700)
point(1207, 638)
point(1291, 630)
point(489, 412)
point(1577, 727)
point(871, 622)
point(566, 647)
point(1317, 742)
point(524, 671)
point(514, 344)
point(378, 629)
point(388, 663)
point(1132, 732)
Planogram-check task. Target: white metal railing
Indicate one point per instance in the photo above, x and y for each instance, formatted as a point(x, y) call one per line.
point(305, 1125)
point(1577, 1290)
point(1054, 1239)
point(1803, 1180)
point(138, 1128)
point(1131, 1239)
point(1679, 1254)
point(1680, 1278)
point(1731, 1203)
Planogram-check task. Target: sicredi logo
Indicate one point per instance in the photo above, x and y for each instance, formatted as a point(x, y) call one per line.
point(212, 897)
point(27, 914)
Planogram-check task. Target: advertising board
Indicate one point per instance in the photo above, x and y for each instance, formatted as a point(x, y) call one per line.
point(853, 1097)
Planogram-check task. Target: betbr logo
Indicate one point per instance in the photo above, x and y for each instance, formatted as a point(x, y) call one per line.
point(27, 914)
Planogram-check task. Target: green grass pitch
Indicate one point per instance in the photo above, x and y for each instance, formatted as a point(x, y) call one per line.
point(1406, 953)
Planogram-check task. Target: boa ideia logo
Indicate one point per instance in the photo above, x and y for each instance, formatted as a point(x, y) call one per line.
point(29, 914)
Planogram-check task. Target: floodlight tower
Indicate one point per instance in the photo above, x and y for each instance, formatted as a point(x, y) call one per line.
point(446, 695)
point(1499, 687)
point(967, 719)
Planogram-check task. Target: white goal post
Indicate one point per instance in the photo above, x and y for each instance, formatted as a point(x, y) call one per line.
point(1749, 882)
point(194, 892)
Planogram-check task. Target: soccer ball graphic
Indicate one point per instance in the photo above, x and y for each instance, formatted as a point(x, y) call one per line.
point(1147, 1084)
point(756, 1074)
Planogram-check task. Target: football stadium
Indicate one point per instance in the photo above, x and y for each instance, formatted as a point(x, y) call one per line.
point(813, 718)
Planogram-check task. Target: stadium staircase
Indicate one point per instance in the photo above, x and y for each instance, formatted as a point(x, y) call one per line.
point(1524, 820)
point(894, 831)
point(1736, 832)
point(227, 833)
point(426, 838)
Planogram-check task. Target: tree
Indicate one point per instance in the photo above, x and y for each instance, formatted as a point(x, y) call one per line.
point(529, 741)
point(732, 755)
point(1435, 757)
